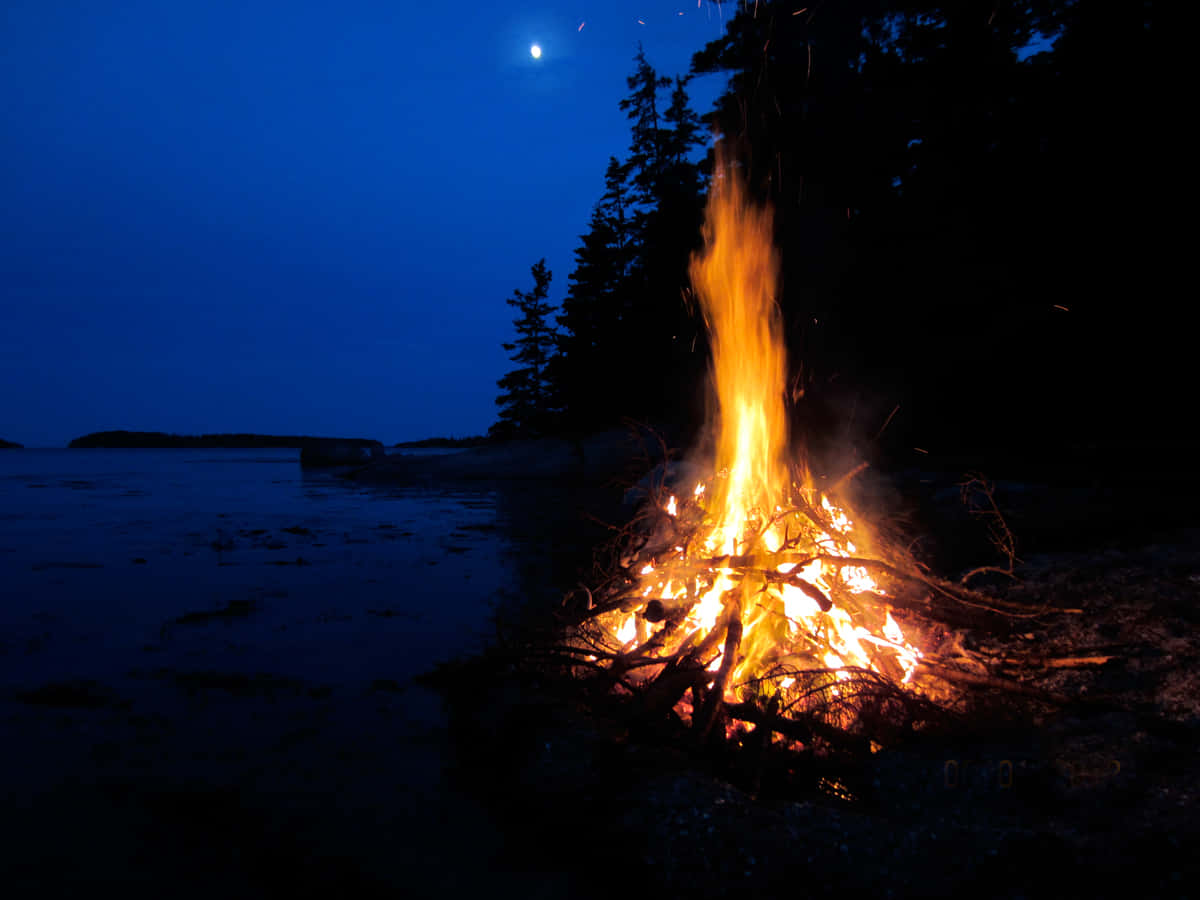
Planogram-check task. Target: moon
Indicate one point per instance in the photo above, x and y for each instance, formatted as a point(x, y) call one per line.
point(535, 51)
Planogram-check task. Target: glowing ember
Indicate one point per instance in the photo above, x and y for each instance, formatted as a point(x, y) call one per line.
point(750, 563)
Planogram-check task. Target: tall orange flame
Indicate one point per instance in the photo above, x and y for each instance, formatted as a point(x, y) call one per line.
point(735, 279)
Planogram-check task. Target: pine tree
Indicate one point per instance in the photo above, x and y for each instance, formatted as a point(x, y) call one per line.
point(595, 308)
point(646, 144)
point(666, 187)
point(526, 394)
point(683, 127)
point(671, 233)
point(630, 346)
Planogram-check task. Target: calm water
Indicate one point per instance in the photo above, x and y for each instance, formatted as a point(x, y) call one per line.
point(153, 747)
point(103, 552)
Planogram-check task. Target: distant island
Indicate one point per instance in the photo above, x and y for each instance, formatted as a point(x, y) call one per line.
point(477, 441)
point(9, 445)
point(160, 439)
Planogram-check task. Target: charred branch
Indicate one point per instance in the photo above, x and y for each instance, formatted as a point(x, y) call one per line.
point(710, 711)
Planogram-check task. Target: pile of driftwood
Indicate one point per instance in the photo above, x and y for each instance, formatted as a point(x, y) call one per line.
point(795, 702)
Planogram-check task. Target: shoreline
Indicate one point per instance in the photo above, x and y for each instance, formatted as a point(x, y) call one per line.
point(592, 458)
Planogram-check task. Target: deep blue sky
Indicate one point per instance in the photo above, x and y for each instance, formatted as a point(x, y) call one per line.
point(296, 217)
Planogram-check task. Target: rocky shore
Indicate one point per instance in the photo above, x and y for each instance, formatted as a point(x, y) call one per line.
point(591, 458)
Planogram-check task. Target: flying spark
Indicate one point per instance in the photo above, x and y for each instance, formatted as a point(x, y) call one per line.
point(888, 421)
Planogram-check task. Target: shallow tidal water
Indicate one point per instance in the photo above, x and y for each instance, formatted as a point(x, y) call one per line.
point(207, 664)
point(104, 552)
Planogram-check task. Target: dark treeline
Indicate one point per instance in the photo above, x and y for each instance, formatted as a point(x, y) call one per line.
point(9, 445)
point(969, 208)
point(159, 439)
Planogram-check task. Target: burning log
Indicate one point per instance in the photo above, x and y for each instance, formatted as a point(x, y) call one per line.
point(715, 696)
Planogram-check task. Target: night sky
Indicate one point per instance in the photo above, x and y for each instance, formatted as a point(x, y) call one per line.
point(300, 217)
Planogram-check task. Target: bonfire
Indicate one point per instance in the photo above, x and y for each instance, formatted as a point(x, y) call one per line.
point(752, 597)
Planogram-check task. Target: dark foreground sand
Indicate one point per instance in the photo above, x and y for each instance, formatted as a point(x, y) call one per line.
point(341, 794)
